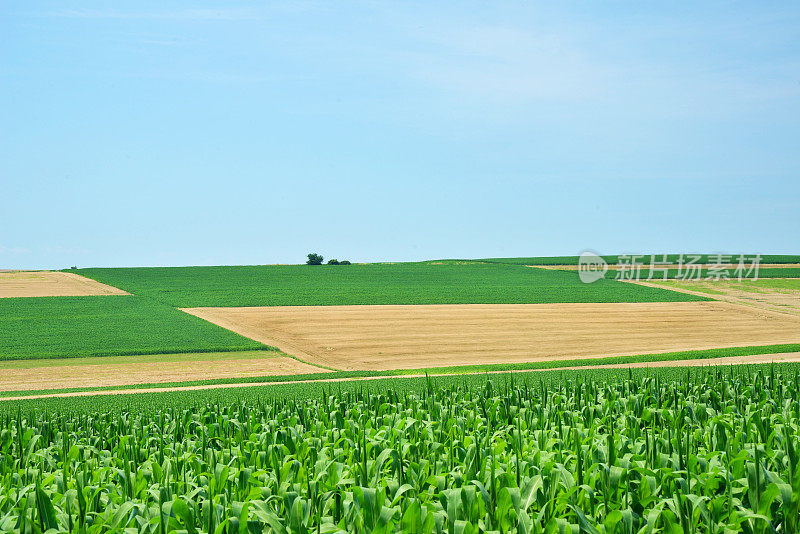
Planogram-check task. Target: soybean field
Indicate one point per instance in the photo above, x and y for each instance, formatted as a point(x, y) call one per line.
point(110, 325)
point(377, 283)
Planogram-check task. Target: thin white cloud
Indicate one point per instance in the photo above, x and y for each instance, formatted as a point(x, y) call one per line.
point(509, 63)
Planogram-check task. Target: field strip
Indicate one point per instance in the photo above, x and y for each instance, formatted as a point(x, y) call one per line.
point(141, 359)
point(51, 284)
point(136, 372)
point(646, 266)
point(781, 357)
point(779, 302)
point(358, 338)
point(789, 357)
point(733, 353)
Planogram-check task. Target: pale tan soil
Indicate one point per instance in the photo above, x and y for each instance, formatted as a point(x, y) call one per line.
point(167, 359)
point(646, 266)
point(51, 284)
point(114, 373)
point(409, 337)
point(780, 300)
point(782, 357)
point(741, 360)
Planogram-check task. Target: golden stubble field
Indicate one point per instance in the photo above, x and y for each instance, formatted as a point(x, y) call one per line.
point(127, 370)
point(51, 284)
point(409, 337)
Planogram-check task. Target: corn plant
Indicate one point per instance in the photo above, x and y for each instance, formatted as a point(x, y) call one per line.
point(712, 454)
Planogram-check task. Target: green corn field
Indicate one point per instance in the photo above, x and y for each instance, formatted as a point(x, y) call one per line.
point(716, 452)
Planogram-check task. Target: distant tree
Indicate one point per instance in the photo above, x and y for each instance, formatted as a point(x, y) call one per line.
point(333, 262)
point(314, 259)
point(344, 262)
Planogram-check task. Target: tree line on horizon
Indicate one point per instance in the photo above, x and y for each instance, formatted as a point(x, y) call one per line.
point(317, 259)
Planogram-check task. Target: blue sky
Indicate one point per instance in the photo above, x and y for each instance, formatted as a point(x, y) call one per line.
point(246, 133)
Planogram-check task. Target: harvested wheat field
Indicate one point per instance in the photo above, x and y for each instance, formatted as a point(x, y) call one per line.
point(408, 337)
point(31, 376)
point(51, 284)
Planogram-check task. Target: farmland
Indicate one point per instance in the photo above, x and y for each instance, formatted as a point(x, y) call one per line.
point(641, 450)
point(156, 373)
point(773, 294)
point(702, 274)
point(615, 258)
point(51, 284)
point(771, 285)
point(402, 337)
point(64, 327)
point(706, 451)
point(104, 371)
point(402, 283)
point(777, 272)
point(571, 322)
point(771, 266)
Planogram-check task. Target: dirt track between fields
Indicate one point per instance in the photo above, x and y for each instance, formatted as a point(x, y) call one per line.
point(739, 360)
point(63, 376)
point(781, 357)
point(410, 337)
point(51, 284)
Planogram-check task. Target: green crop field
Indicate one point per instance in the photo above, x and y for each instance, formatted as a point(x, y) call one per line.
point(404, 283)
point(62, 327)
point(638, 451)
